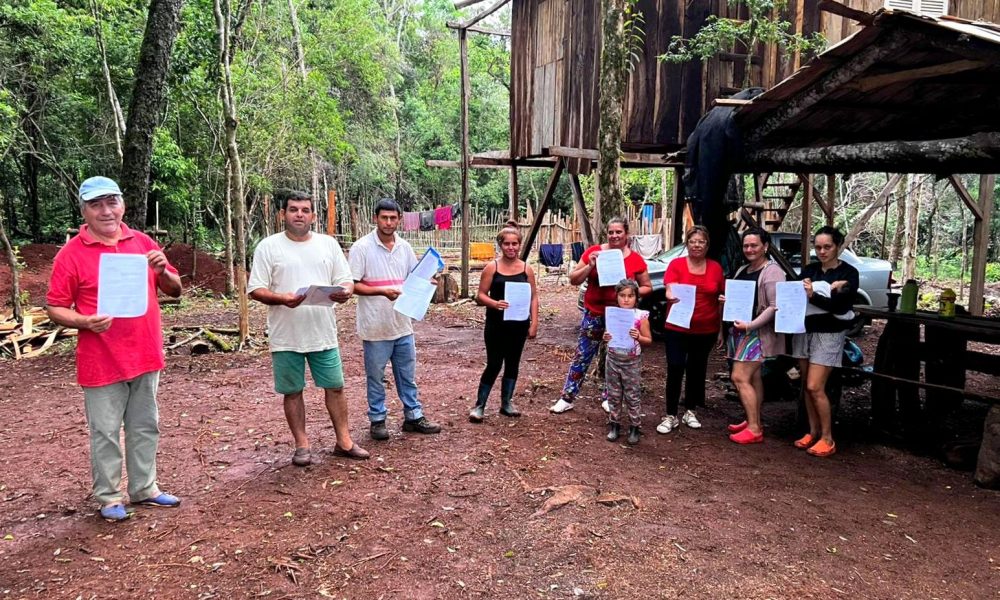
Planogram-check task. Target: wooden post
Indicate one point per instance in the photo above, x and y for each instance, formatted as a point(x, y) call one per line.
point(677, 209)
point(807, 196)
point(543, 207)
point(831, 193)
point(980, 243)
point(581, 210)
point(266, 207)
point(664, 210)
point(463, 46)
point(512, 193)
point(331, 212)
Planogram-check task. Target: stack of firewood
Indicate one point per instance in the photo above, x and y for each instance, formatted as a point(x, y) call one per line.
point(31, 336)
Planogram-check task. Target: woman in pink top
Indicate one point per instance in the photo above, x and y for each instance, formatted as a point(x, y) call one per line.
point(688, 349)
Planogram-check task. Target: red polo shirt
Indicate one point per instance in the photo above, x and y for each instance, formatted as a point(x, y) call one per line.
point(130, 347)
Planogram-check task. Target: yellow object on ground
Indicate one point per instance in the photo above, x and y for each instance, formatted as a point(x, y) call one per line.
point(481, 251)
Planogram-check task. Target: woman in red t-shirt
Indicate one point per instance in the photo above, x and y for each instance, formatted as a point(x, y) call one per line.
point(595, 300)
point(688, 349)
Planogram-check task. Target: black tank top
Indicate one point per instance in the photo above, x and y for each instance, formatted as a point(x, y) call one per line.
point(497, 292)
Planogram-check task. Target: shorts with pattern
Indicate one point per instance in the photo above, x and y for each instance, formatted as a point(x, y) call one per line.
point(821, 348)
point(744, 346)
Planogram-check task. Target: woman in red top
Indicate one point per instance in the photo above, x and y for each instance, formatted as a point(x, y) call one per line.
point(688, 349)
point(595, 300)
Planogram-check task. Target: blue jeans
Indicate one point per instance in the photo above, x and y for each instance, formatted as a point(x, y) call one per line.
point(403, 354)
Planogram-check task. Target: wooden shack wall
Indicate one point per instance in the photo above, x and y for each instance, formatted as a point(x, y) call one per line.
point(555, 69)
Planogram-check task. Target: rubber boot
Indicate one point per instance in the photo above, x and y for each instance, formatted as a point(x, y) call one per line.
point(633, 435)
point(507, 407)
point(614, 429)
point(477, 412)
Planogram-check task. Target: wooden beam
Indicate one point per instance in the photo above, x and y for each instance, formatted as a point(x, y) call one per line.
point(816, 194)
point(489, 11)
point(867, 84)
point(640, 158)
point(981, 244)
point(831, 198)
point(876, 205)
point(836, 8)
point(977, 153)
point(834, 79)
point(581, 210)
point(730, 102)
point(677, 205)
point(474, 29)
point(807, 196)
point(567, 152)
point(543, 207)
point(513, 196)
point(463, 48)
point(966, 197)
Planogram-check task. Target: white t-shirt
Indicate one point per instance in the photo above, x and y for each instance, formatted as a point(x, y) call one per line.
point(282, 265)
point(374, 264)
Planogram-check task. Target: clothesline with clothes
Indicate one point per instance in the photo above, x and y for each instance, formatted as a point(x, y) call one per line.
point(552, 255)
point(429, 220)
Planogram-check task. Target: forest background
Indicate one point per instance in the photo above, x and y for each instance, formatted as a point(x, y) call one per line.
point(348, 95)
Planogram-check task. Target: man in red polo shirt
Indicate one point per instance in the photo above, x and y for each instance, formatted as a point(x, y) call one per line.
point(118, 361)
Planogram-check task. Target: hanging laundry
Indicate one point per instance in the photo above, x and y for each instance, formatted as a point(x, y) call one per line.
point(551, 255)
point(577, 250)
point(456, 210)
point(482, 251)
point(647, 246)
point(427, 220)
point(442, 217)
point(411, 221)
point(648, 213)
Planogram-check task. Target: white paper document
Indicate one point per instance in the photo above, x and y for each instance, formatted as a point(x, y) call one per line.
point(610, 267)
point(617, 322)
point(682, 310)
point(739, 300)
point(123, 285)
point(518, 297)
point(416, 297)
point(791, 301)
point(318, 295)
point(430, 263)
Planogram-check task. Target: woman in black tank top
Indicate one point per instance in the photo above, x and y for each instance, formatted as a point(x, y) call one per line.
point(504, 339)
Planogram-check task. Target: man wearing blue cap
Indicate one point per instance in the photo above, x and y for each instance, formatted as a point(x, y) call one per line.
point(118, 360)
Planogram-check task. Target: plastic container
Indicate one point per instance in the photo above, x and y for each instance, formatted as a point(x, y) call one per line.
point(947, 303)
point(908, 298)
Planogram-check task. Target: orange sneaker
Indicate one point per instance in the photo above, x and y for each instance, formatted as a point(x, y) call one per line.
point(821, 448)
point(805, 441)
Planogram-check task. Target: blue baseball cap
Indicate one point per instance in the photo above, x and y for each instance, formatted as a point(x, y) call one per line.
point(97, 187)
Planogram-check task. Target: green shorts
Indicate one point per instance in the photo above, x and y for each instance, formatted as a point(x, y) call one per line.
point(290, 370)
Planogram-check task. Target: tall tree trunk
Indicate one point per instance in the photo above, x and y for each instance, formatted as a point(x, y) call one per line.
point(32, 165)
point(931, 251)
point(300, 58)
point(615, 54)
point(912, 229)
point(902, 199)
point(148, 102)
point(116, 109)
point(15, 279)
point(235, 165)
point(227, 212)
point(965, 253)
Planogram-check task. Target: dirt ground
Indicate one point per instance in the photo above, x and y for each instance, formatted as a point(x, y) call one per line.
point(461, 514)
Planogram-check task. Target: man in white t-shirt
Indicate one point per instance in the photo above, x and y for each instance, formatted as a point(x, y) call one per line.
point(380, 262)
point(283, 264)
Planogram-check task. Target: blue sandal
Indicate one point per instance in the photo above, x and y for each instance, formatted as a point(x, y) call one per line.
point(114, 512)
point(163, 500)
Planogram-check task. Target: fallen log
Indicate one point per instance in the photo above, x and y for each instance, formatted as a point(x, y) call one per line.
point(217, 341)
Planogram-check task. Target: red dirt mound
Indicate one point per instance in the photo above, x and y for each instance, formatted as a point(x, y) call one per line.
point(37, 260)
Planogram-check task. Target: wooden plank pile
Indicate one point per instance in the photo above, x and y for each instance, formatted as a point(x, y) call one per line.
point(31, 336)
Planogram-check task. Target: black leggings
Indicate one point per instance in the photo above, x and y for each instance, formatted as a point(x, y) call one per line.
point(504, 343)
point(687, 353)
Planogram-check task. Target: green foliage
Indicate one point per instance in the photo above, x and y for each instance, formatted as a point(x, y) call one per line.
point(721, 34)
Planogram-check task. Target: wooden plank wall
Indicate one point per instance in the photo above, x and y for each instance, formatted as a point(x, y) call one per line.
point(555, 69)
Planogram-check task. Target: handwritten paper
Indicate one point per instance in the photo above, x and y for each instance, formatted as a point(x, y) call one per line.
point(518, 297)
point(430, 263)
point(739, 300)
point(610, 267)
point(319, 295)
point(416, 297)
point(682, 310)
point(123, 285)
point(791, 302)
point(618, 322)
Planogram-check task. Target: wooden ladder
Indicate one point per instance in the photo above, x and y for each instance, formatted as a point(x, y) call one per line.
point(772, 200)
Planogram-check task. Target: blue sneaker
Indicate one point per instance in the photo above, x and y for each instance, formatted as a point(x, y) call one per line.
point(114, 512)
point(164, 500)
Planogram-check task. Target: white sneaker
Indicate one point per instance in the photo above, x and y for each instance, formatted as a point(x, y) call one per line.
point(690, 420)
point(561, 406)
point(606, 407)
point(668, 424)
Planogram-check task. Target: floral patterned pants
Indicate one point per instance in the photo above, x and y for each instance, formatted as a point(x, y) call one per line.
point(591, 334)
